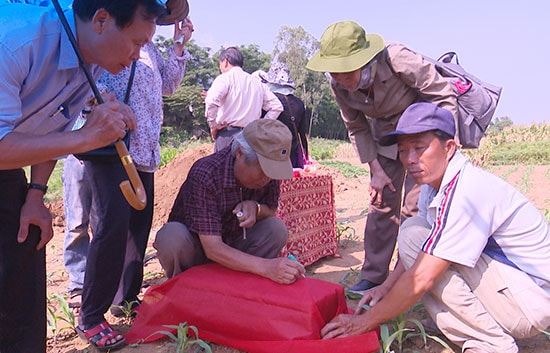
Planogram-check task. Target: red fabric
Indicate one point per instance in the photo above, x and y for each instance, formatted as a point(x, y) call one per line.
point(306, 205)
point(248, 312)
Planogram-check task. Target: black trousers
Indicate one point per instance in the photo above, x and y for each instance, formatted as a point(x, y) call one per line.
point(22, 274)
point(114, 268)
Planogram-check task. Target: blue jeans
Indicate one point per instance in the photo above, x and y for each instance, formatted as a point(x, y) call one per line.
point(77, 200)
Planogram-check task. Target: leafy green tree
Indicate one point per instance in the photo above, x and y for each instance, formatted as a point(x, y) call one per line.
point(294, 47)
point(253, 58)
point(499, 124)
point(184, 110)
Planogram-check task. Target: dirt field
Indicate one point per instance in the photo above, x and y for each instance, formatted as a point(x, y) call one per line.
point(351, 198)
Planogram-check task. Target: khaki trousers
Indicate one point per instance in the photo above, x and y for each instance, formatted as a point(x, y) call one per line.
point(383, 221)
point(473, 307)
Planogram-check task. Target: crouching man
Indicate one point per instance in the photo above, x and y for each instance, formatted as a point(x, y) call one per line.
point(225, 210)
point(477, 253)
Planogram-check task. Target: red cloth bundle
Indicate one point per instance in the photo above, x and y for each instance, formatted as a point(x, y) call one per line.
point(248, 312)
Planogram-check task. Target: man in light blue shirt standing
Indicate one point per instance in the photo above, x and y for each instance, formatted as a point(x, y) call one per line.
point(42, 89)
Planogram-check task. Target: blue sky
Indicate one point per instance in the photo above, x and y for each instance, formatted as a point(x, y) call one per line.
point(505, 42)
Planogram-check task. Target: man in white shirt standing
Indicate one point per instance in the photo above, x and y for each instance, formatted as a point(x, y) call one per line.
point(236, 99)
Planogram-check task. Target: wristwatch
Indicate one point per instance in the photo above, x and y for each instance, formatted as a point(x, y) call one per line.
point(43, 188)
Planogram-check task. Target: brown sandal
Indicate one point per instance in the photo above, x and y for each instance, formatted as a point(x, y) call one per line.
point(102, 337)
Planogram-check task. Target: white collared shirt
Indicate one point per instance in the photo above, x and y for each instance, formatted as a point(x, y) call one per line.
point(475, 211)
point(236, 98)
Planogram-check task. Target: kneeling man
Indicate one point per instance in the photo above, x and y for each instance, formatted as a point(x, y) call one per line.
point(477, 253)
point(225, 209)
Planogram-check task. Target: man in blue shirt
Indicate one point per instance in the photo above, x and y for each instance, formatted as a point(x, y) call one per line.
point(42, 89)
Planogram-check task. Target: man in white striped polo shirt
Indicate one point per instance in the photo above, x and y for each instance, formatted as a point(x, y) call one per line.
point(476, 254)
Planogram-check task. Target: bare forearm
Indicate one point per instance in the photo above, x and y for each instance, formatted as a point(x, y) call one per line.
point(400, 298)
point(40, 173)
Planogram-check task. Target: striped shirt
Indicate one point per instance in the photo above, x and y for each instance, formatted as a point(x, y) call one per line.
point(477, 212)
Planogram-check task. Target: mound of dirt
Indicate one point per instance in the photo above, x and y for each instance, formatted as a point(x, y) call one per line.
point(169, 178)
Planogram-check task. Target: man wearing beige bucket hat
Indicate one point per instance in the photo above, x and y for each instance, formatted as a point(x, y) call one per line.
point(373, 83)
point(225, 209)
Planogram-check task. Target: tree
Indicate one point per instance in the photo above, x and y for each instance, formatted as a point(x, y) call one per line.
point(184, 110)
point(294, 47)
point(499, 124)
point(253, 58)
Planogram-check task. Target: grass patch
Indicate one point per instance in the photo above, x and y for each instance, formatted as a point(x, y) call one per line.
point(530, 152)
point(347, 169)
point(321, 149)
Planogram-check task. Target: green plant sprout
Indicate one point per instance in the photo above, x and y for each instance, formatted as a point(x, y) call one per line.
point(66, 315)
point(345, 231)
point(182, 339)
point(126, 308)
point(395, 332)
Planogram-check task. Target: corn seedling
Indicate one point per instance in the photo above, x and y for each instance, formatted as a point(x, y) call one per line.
point(396, 333)
point(345, 231)
point(185, 340)
point(66, 315)
point(126, 308)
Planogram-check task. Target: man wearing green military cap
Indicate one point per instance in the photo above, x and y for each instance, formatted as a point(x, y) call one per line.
point(373, 82)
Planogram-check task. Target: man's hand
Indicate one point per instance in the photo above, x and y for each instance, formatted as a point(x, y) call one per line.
point(249, 209)
point(379, 180)
point(283, 270)
point(108, 122)
point(214, 133)
point(35, 212)
point(343, 325)
point(371, 297)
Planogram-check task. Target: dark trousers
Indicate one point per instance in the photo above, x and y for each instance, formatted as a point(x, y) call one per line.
point(225, 137)
point(120, 234)
point(383, 221)
point(22, 274)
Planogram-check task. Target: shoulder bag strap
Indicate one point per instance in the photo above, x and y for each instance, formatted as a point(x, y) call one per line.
point(130, 82)
point(81, 61)
point(293, 119)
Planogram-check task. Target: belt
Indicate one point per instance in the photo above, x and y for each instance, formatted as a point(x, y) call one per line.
point(231, 128)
